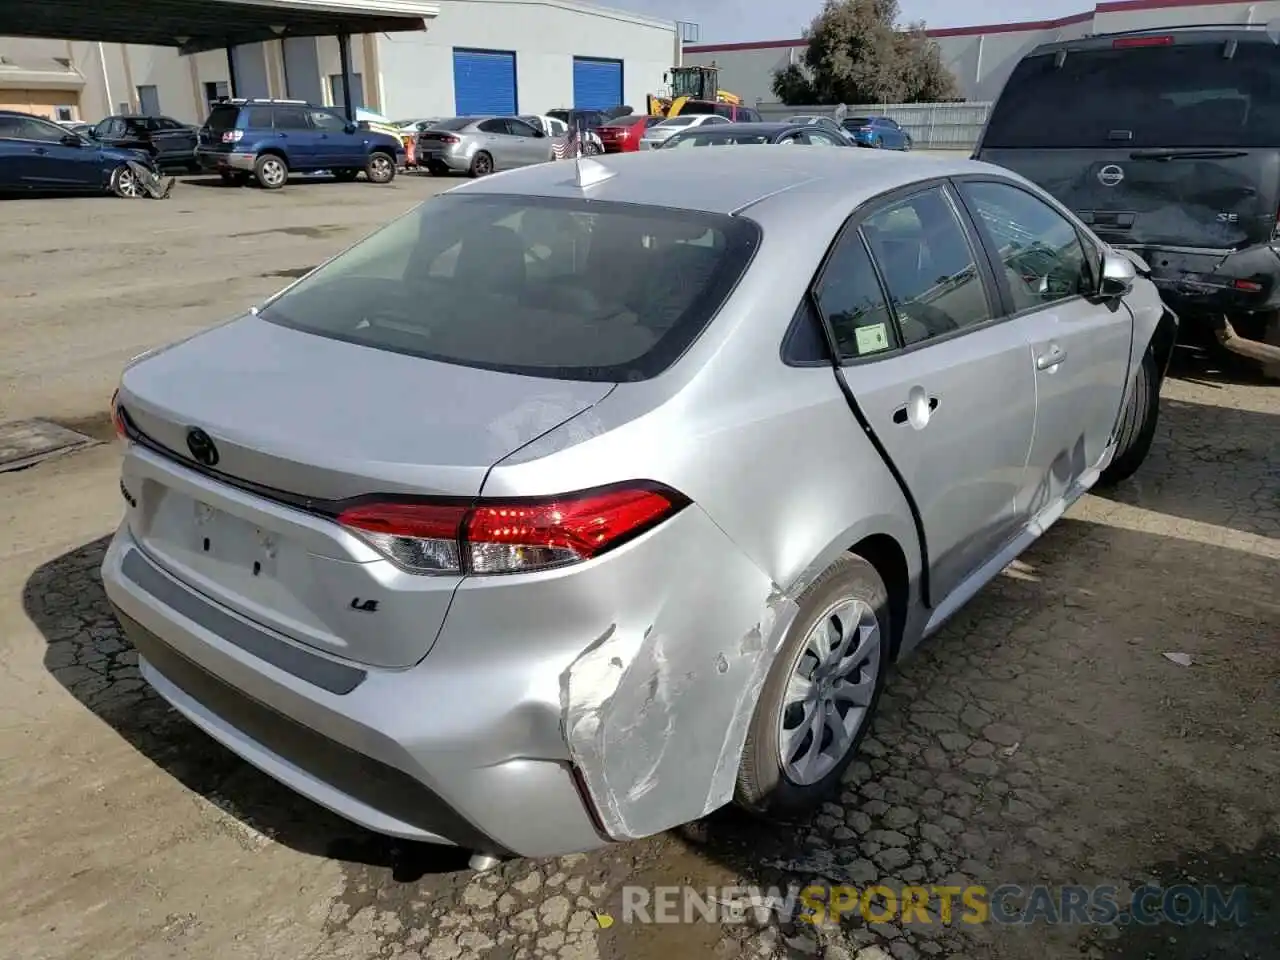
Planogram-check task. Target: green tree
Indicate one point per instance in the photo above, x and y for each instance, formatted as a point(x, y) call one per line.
point(857, 54)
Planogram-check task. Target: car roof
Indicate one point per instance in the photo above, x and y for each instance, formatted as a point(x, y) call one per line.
point(729, 181)
point(765, 127)
point(1192, 33)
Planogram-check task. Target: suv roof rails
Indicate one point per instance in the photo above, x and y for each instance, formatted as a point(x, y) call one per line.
point(303, 103)
point(1269, 27)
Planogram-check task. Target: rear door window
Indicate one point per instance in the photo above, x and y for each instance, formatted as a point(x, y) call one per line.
point(1176, 94)
point(851, 301)
point(566, 288)
point(928, 267)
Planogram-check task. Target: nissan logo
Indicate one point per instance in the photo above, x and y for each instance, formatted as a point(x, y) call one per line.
point(202, 447)
point(1110, 175)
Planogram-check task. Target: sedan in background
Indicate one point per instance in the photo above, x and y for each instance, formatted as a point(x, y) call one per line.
point(744, 134)
point(38, 155)
point(623, 134)
point(478, 146)
point(826, 123)
point(521, 559)
point(879, 133)
point(169, 143)
point(664, 130)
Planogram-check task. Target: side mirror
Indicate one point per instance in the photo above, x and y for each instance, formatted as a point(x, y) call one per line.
point(538, 133)
point(351, 126)
point(71, 140)
point(1118, 276)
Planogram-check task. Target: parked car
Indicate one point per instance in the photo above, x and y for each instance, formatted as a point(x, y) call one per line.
point(478, 146)
point(590, 119)
point(551, 126)
point(39, 155)
point(595, 516)
point(664, 130)
point(169, 143)
point(268, 139)
point(1172, 151)
point(741, 134)
point(880, 133)
point(622, 134)
point(733, 112)
point(826, 123)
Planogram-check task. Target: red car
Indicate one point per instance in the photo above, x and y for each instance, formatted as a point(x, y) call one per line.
point(622, 134)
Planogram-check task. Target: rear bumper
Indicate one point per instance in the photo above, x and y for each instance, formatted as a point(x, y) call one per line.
point(392, 754)
point(1205, 285)
point(453, 161)
point(216, 160)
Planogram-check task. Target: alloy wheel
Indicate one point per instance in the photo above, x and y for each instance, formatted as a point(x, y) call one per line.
point(829, 692)
point(380, 168)
point(273, 172)
point(127, 183)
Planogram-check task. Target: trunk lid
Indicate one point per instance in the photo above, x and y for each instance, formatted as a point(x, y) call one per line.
point(1219, 199)
point(300, 421)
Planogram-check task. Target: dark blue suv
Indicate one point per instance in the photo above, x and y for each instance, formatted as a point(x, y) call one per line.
point(268, 139)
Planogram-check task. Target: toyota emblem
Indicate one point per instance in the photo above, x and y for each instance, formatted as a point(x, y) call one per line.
point(1110, 175)
point(202, 447)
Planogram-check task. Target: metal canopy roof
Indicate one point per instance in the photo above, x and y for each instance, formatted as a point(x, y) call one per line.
point(196, 25)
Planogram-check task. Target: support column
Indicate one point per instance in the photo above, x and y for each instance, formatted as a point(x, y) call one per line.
point(231, 72)
point(344, 59)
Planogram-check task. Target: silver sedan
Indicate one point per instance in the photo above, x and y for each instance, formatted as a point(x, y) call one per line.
point(481, 145)
point(569, 507)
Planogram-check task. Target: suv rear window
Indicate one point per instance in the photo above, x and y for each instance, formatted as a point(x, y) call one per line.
point(223, 117)
point(563, 288)
point(1172, 95)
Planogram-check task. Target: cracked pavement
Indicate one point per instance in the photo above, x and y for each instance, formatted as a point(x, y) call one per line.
point(1042, 737)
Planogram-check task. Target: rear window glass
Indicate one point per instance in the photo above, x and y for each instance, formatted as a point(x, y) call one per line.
point(858, 122)
point(716, 139)
point(453, 123)
point(223, 118)
point(569, 289)
point(1180, 95)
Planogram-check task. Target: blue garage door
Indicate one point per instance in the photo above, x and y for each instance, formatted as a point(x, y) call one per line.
point(484, 81)
point(597, 84)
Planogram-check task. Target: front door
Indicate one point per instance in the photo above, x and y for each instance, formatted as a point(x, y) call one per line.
point(334, 145)
point(1080, 347)
point(42, 161)
point(500, 144)
point(946, 387)
point(534, 147)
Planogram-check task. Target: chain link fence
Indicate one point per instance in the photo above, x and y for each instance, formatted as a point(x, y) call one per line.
point(932, 126)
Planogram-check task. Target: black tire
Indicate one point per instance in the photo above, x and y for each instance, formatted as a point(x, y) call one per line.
point(345, 175)
point(1137, 424)
point(763, 787)
point(271, 171)
point(380, 167)
point(481, 165)
point(193, 167)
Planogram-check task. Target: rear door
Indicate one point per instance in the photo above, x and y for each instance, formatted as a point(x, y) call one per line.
point(298, 138)
point(1171, 141)
point(946, 385)
point(1048, 273)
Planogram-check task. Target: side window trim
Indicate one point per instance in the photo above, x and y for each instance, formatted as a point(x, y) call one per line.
point(854, 221)
point(993, 251)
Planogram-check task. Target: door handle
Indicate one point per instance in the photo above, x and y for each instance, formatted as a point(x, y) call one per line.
point(1050, 359)
point(903, 414)
point(39, 150)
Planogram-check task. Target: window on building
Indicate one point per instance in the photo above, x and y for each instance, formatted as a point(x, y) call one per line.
point(66, 114)
point(148, 100)
point(357, 90)
point(215, 91)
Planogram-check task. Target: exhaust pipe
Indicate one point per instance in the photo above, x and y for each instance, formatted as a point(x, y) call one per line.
point(1268, 354)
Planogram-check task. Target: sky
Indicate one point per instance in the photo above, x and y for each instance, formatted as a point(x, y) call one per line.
point(731, 21)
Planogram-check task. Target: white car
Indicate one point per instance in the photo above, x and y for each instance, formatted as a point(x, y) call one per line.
point(659, 133)
point(551, 126)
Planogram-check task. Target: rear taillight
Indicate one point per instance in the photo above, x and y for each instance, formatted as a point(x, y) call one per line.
point(1248, 286)
point(510, 536)
point(1121, 42)
point(232, 136)
point(117, 416)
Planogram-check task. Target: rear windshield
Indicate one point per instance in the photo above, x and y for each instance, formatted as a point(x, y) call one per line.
point(1178, 95)
point(857, 122)
point(570, 289)
point(453, 123)
point(677, 122)
point(223, 117)
point(716, 139)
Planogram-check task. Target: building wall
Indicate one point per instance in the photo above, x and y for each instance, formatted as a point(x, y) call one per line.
point(981, 58)
point(417, 69)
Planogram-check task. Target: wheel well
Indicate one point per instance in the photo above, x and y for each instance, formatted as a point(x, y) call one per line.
point(386, 151)
point(884, 553)
point(1162, 341)
point(272, 151)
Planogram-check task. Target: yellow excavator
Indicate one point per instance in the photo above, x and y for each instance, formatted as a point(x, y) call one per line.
point(698, 86)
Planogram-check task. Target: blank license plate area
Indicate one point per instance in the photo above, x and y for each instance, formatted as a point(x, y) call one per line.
point(248, 566)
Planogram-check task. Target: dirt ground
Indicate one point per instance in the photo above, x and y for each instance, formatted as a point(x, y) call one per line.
point(1042, 737)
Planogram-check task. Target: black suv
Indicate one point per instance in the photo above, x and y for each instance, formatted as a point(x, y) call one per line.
point(1167, 143)
point(168, 142)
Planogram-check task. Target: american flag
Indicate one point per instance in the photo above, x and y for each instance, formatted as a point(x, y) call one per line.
point(570, 147)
